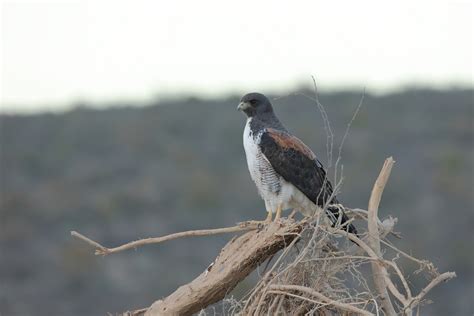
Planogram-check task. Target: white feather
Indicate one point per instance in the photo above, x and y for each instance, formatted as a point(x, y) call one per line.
point(268, 180)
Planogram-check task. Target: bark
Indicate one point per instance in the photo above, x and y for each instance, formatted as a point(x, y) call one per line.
point(235, 262)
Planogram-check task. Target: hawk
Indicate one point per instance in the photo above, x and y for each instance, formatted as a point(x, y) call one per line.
point(286, 172)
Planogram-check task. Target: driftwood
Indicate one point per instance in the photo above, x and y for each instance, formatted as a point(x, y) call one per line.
point(306, 281)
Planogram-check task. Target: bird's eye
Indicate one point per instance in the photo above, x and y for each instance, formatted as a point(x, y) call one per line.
point(253, 102)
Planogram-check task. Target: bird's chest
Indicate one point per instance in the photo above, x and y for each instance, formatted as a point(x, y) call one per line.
point(261, 171)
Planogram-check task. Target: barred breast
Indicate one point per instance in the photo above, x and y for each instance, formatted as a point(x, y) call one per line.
point(268, 182)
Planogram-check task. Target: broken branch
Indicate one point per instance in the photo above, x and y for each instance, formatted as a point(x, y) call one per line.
point(380, 274)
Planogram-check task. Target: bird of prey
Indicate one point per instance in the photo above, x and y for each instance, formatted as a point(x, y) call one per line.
point(286, 172)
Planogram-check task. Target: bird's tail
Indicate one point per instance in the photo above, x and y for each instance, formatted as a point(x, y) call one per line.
point(336, 211)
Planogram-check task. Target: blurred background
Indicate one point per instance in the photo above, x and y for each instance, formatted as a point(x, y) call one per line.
point(118, 119)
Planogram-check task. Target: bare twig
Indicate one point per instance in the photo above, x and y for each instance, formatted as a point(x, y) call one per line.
point(315, 259)
point(267, 275)
point(260, 289)
point(348, 127)
point(88, 240)
point(402, 278)
point(102, 250)
point(346, 133)
point(303, 298)
point(440, 278)
point(424, 264)
point(321, 297)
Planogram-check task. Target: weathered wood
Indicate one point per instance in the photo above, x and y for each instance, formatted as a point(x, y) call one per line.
point(236, 261)
point(380, 274)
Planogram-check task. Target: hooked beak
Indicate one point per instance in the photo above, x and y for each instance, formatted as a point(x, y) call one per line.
point(242, 106)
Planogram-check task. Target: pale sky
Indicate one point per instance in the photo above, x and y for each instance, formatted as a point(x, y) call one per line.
point(55, 53)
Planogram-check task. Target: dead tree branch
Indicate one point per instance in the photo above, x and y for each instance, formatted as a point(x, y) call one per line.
point(342, 306)
point(440, 278)
point(102, 250)
point(236, 260)
point(306, 281)
point(380, 274)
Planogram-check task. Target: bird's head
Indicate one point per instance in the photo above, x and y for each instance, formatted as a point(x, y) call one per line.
point(254, 103)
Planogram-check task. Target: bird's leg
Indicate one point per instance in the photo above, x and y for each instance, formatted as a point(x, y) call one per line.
point(269, 216)
point(278, 213)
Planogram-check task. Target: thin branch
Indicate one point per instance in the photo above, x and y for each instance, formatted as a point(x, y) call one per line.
point(348, 128)
point(423, 263)
point(102, 250)
point(271, 309)
point(325, 299)
point(393, 289)
point(440, 278)
point(321, 304)
point(264, 279)
point(346, 133)
point(381, 263)
point(386, 224)
point(385, 228)
point(402, 278)
point(327, 124)
point(88, 240)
